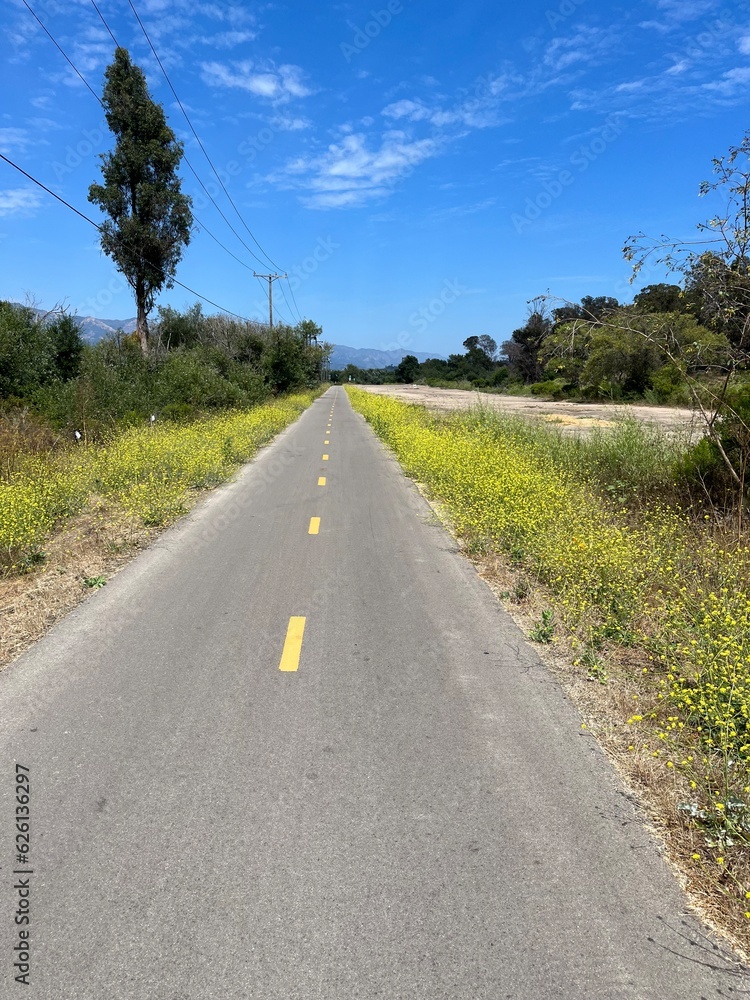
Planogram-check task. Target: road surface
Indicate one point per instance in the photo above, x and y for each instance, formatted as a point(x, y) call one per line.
point(297, 750)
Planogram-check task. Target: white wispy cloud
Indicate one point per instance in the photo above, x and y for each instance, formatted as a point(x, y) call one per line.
point(14, 139)
point(363, 165)
point(460, 211)
point(732, 82)
point(481, 108)
point(352, 172)
point(587, 44)
point(288, 123)
point(229, 39)
point(413, 111)
point(262, 79)
point(670, 14)
point(19, 201)
point(41, 125)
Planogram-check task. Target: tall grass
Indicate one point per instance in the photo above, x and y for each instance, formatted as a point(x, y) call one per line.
point(631, 458)
point(644, 576)
point(148, 471)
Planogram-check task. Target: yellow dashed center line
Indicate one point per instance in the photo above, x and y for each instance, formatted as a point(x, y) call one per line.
point(314, 528)
point(326, 442)
point(325, 458)
point(322, 481)
point(293, 645)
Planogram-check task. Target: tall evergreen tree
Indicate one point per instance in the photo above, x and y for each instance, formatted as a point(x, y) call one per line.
point(149, 218)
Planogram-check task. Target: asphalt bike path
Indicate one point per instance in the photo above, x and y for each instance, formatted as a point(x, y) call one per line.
point(297, 750)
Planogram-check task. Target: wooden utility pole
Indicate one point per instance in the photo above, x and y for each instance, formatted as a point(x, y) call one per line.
point(270, 278)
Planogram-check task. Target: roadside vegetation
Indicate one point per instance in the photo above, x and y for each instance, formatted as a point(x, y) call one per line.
point(644, 581)
point(148, 471)
point(78, 420)
point(197, 363)
point(101, 445)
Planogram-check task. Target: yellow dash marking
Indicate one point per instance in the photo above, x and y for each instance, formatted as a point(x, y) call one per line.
point(326, 442)
point(314, 528)
point(293, 645)
point(322, 481)
point(325, 458)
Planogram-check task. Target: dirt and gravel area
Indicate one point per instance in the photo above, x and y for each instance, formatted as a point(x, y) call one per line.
point(569, 416)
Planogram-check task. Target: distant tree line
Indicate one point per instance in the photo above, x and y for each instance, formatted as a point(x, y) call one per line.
point(196, 362)
point(595, 349)
point(480, 367)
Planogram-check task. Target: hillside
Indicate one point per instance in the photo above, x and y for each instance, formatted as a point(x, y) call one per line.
point(368, 357)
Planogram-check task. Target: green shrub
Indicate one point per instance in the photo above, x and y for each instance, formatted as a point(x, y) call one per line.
point(556, 388)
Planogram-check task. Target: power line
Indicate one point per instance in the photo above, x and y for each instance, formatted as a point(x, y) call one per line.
point(294, 299)
point(281, 286)
point(203, 228)
point(197, 137)
point(105, 24)
point(192, 168)
point(62, 51)
point(123, 242)
point(270, 278)
point(202, 225)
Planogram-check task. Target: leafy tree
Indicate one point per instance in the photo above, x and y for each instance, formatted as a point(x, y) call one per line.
point(309, 331)
point(149, 218)
point(523, 348)
point(489, 346)
point(408, 369)
point(591, 309)
point(27, 351)
point(175, 329)
point(716, 268)
point(660, 298)
point(565, 351)
point(68, 347)
point(620, 362)
point(478, 357)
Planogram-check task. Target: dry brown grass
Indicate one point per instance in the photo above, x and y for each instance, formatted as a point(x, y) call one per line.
point(21, 435)
point(96, 543)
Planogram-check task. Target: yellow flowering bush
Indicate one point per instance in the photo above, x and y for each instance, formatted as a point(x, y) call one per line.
point(148, 470)
point(631, 579)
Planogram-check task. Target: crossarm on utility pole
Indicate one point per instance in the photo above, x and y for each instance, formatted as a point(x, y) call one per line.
point(270, 278)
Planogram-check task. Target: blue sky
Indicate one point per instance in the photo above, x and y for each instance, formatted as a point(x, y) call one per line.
point(419, 170)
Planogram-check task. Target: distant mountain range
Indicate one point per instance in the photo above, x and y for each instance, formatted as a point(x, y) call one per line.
point(368, 357)
point(94, 330)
